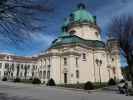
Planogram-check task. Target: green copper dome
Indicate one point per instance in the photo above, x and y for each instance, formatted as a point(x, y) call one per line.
point(80, 15)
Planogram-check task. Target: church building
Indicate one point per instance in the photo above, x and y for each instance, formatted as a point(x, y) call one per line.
point(78, 55)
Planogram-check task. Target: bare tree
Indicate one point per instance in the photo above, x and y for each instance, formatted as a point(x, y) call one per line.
point(121, 28)
point(19, 19)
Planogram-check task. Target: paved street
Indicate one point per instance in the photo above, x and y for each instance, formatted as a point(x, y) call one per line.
point(18, 91)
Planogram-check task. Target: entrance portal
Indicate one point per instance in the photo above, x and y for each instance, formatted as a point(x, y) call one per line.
point(65, 78)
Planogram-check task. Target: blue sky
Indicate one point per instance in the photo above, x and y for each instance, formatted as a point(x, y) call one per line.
point(103, 9)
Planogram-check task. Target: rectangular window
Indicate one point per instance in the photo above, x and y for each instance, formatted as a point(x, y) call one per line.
point(0, 65)
point(12, 66)
point(48, 74)
point(65, 61)
point(6, 65)
point(21, 66)
point(33, 67)
point(84, 56)
point(40, 74)
point(76, 62)
point(77, 73)
point(44, 74)
point(49, 67)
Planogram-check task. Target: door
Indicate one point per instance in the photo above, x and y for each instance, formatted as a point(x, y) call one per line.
point(65, 78)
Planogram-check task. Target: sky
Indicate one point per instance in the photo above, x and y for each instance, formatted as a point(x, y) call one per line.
point(105, 10)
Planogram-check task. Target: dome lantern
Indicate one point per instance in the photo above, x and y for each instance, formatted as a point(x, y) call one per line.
point(81, 6)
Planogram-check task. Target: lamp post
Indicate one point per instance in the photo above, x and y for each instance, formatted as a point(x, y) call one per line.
point(99, 63)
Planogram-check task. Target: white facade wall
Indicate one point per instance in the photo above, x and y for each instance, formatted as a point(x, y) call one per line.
point(86, 32)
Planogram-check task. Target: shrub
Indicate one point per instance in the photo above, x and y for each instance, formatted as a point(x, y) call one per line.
point(51, 82)
point(111, 82)
point(88, 86)
point(17, 80)
point(4, 79)
point(122, 81)
point(36, 81)
point(30, 78)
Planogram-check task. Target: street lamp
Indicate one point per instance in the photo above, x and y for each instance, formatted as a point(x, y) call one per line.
point(99, 63)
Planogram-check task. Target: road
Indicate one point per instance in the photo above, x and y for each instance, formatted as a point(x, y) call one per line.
point(19, 91)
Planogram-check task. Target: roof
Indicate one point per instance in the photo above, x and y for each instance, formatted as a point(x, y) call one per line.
point(80, 15)
point(20, 59)
point(73, 39)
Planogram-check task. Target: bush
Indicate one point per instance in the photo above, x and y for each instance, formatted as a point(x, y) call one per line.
point(36, 81)
point(30, 78)
point(4, 79)
point(111, 82)
point(76, 86)
point(122, 81)
point(17, 80)
point(26, 81)
point(51, 82)
point(88, 86)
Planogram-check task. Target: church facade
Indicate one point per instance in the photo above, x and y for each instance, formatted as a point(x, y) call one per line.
point(78, 55)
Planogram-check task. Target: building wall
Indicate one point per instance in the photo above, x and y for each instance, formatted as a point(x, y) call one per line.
point(88, 69)
point(86, 32)
point(52, 66)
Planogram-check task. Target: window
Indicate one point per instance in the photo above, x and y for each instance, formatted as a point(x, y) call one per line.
point(76, 62)
point(5, 73)
point(84, 56)
point(0, 65)
point(12, 67)
point(48, 74)
point(6, 65)
point(11, 74)
point(21, 74)
point(77, 73)
point(28, 67)
point(112, 59)
point(44, 74)
point(97, 34)
point(65, 61)
point(33, 67)
point(72, 32)
point(40, 74)
point(49, 67)
point(21, 66)
point(32, 74)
